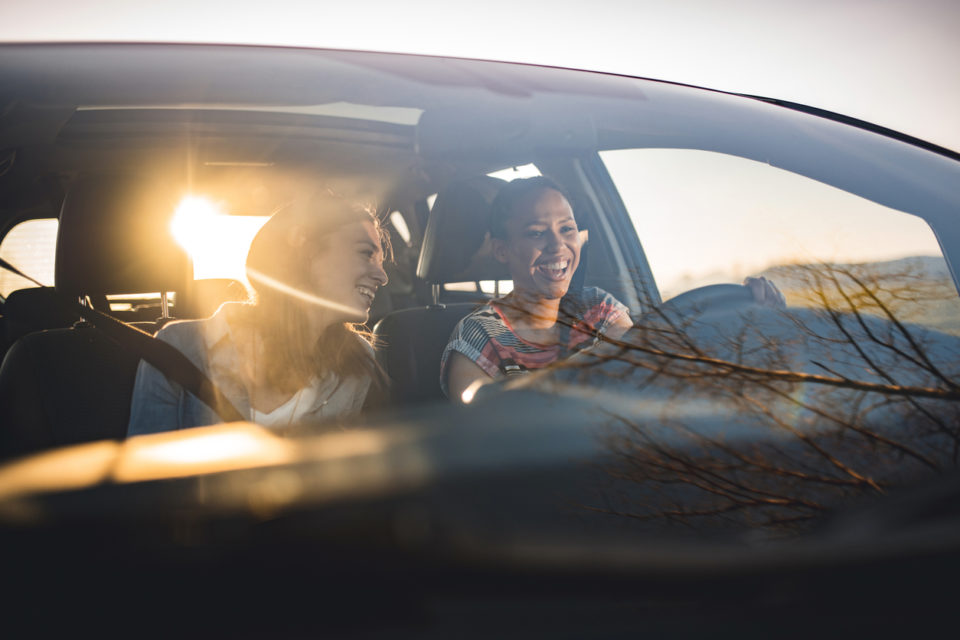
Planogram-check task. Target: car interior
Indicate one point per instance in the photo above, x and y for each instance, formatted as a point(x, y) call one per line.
point(113, 178)
point(425, 142)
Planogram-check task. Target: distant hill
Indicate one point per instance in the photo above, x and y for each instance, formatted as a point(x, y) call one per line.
point(919, 289)
point(932, 268)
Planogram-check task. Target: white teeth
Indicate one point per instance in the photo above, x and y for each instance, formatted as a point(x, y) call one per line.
point(366, 291)
point(557, 265)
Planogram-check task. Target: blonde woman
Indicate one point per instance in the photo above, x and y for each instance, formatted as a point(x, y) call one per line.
point(296, 353)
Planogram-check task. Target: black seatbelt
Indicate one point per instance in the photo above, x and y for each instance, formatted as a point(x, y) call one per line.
point(165, 357)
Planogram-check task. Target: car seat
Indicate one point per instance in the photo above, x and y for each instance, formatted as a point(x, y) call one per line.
point(456, 248)
point(65, 386)
point(33, 309)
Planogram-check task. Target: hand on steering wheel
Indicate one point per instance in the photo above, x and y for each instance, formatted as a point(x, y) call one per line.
point(765, 293)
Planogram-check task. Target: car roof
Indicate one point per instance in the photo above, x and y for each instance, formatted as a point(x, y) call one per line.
point(375, 120)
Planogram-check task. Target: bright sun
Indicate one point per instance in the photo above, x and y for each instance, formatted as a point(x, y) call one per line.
point(217, 242)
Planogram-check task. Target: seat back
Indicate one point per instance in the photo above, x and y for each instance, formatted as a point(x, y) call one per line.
point(411, 344)
point(456, 248)
point(62, 387)
point(73, 385)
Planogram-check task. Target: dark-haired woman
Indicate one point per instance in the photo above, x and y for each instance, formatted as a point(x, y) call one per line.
point(534, 232)
point(296, 353)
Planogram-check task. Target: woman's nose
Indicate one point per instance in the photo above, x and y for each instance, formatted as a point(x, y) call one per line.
point(554, 240)
point(378, 274)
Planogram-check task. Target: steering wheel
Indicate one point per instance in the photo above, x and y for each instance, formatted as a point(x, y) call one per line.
point(713, 297)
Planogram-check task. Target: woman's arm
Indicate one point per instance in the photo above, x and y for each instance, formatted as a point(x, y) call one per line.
point(156, 403)
point(618, 327)
point(462, 372)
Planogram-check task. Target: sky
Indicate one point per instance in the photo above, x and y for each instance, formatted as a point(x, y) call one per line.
point(893, 62)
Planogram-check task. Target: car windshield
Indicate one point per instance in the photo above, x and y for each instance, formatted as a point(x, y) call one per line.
point(609, 310)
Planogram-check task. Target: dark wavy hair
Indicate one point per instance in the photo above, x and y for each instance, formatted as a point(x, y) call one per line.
point(281, 253)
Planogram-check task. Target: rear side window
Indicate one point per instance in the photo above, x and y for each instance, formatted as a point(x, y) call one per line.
point(30, 246)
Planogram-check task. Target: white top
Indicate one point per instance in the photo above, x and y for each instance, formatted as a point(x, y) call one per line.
point(299, 404)
point(322, 398)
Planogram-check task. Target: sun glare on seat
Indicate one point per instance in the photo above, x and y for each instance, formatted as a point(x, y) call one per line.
point(217, 242)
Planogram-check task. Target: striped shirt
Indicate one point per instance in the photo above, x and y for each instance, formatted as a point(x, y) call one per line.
point(486, 337)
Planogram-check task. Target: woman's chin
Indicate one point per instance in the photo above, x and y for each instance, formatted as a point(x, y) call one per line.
point(549, 289)
point(545, 293)
point(359, 317)
point(362, 315)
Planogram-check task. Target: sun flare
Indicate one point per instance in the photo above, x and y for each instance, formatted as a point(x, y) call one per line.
point(216, 241)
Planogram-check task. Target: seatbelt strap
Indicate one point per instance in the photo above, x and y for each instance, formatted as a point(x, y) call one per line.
point(164, 356)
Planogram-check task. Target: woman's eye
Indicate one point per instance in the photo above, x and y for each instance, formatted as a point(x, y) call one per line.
point(568, 229)
point(533, 233)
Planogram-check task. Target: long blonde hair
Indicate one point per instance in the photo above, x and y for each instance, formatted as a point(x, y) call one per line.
point(281, 253)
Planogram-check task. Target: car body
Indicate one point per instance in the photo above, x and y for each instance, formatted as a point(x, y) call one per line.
point(719, 459)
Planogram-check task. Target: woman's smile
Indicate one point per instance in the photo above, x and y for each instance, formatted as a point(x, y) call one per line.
point(367, 293)
point(555, 271)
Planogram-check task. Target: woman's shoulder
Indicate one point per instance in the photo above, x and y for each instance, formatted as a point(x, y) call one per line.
point(178, 331)
point(594, 295)
point(212, 328)
point(484, 315)
point(595, 306)
point(195, 336)
point(588, 298)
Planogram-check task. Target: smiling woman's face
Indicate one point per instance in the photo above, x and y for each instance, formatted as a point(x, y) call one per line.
point(346, 272)
point(542, 245)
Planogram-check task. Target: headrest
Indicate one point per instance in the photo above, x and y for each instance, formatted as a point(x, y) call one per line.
point(456, 243)
point(115, 237)
point(35, 309)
